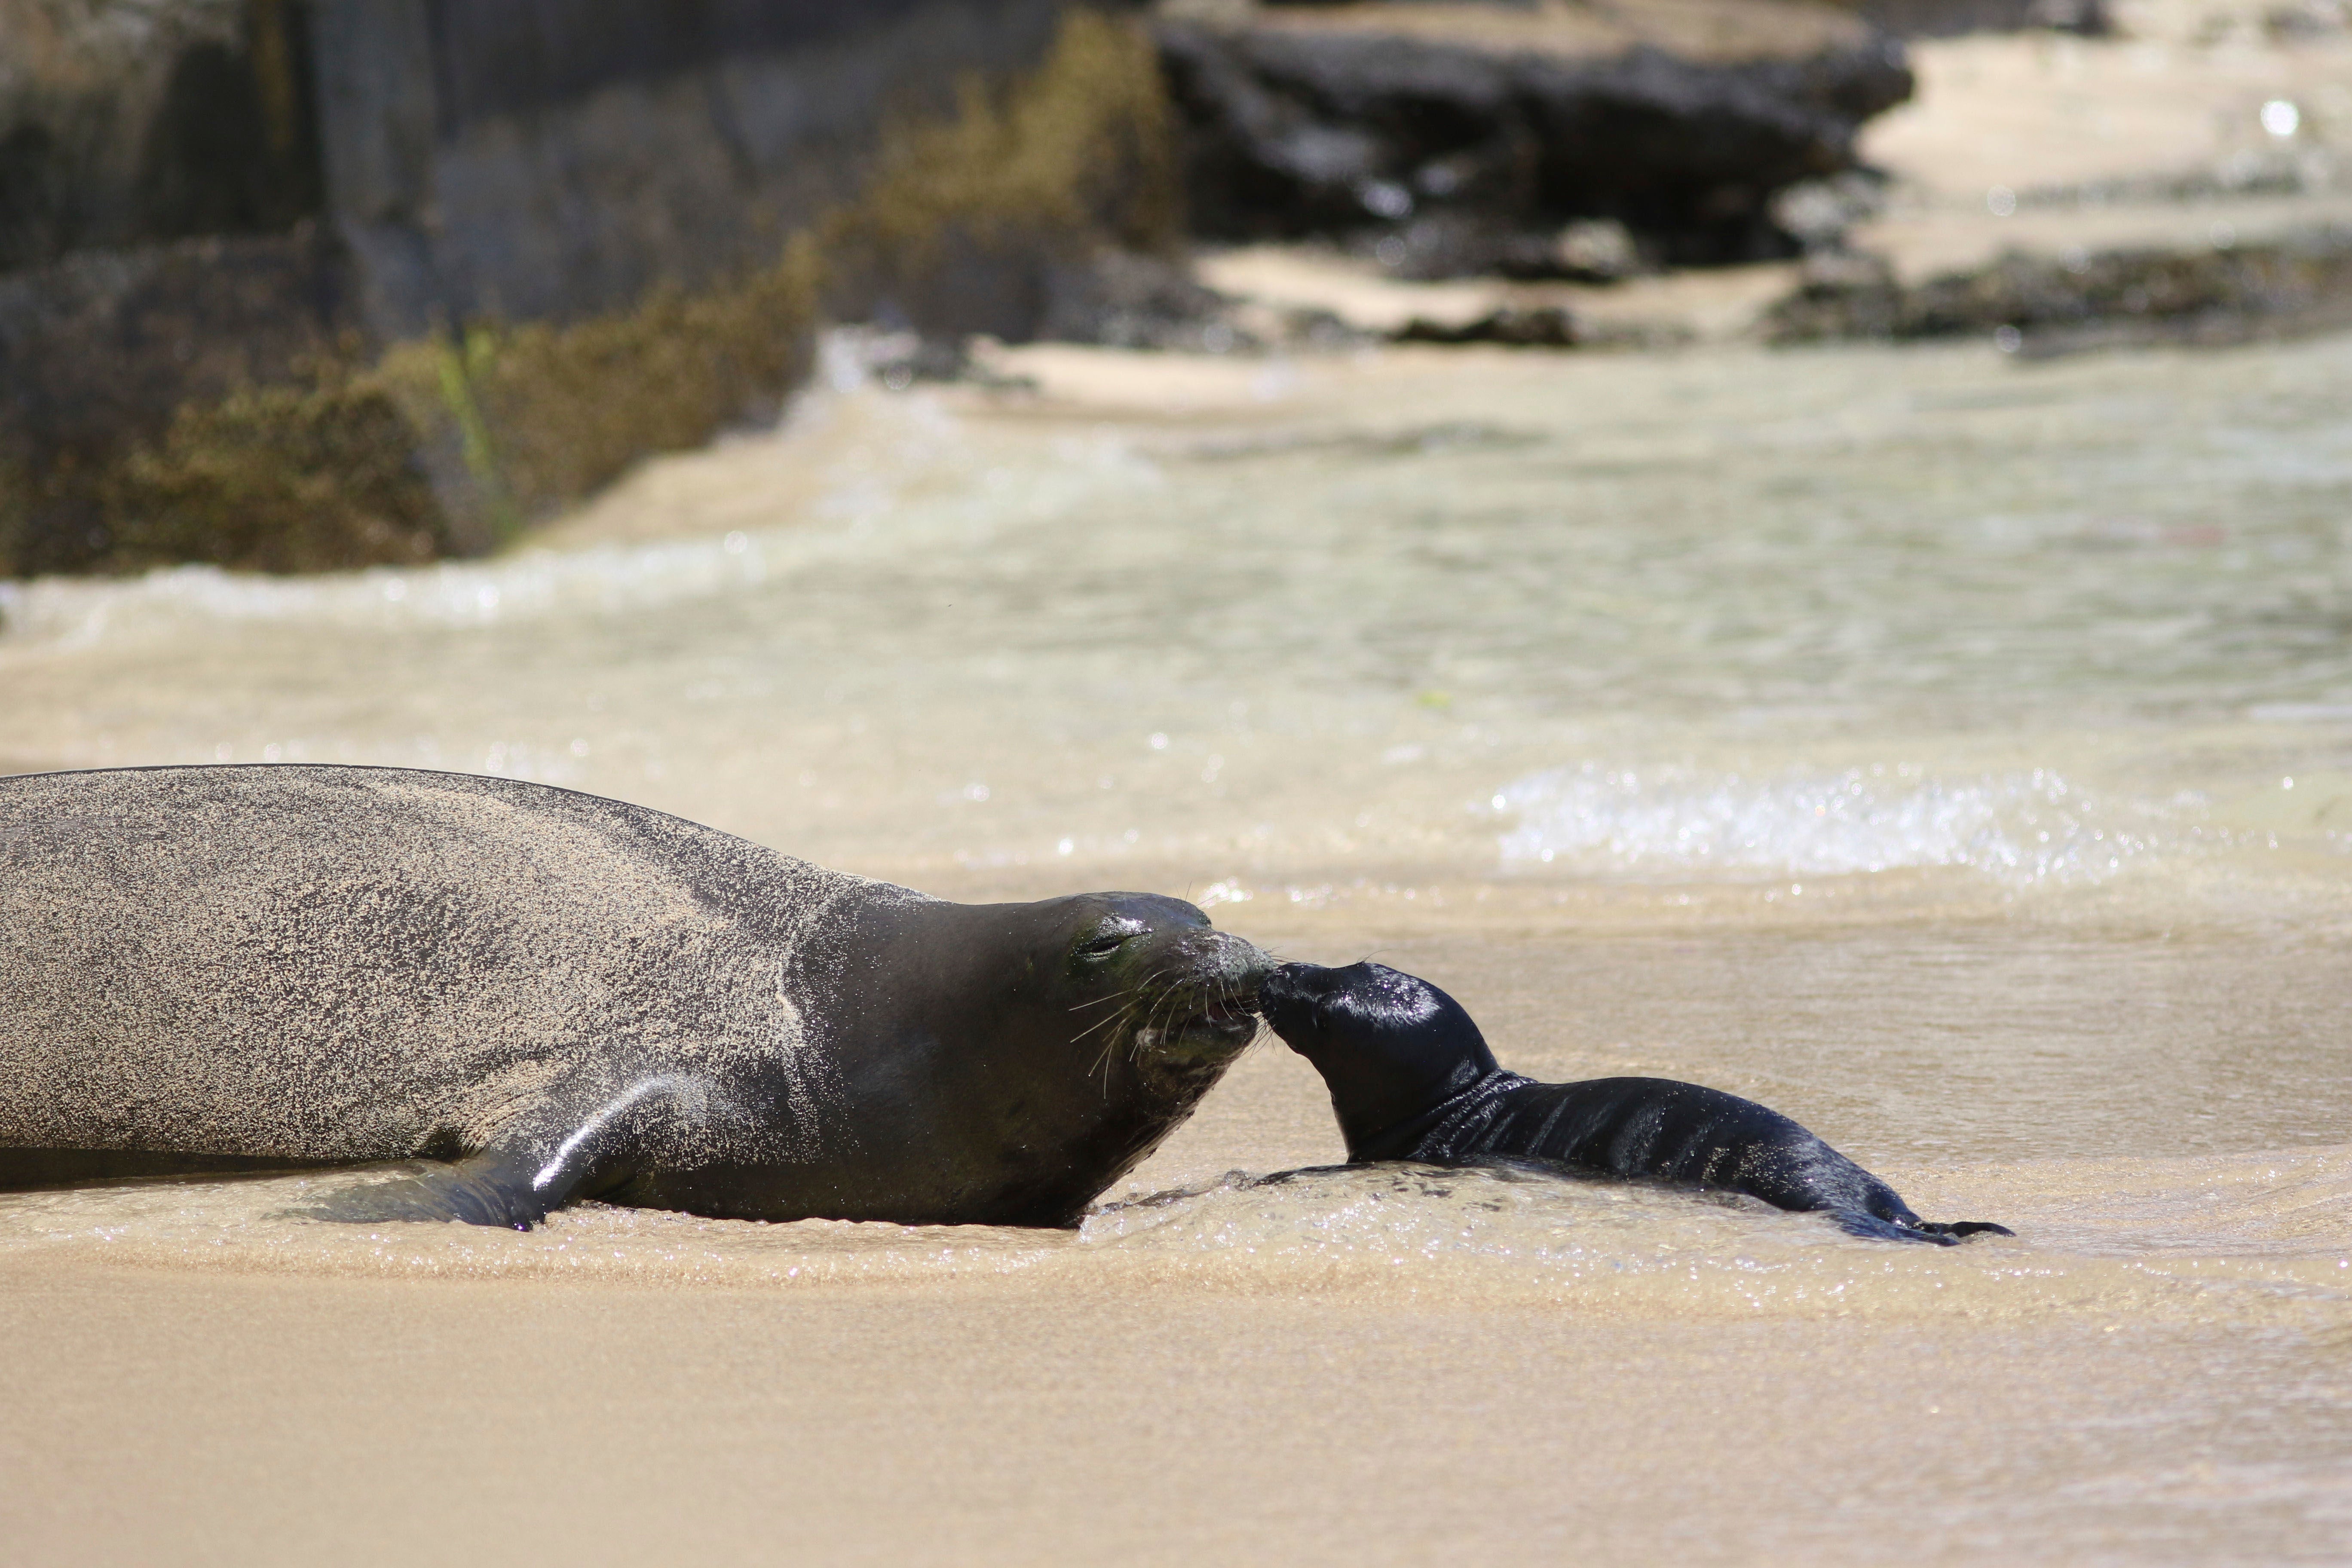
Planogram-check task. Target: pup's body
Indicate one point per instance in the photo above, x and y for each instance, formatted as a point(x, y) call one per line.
point(1412, 1079)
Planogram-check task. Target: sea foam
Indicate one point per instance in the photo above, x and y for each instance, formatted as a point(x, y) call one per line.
point(2023, 827)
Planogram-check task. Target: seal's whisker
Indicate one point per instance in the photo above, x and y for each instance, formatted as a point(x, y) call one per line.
point(1139, 998)
point(1099, 1025)
point(1166, 1005)
point(1082, 1006)
point(1140, 989)
point(1109, 1022)
point(1111, 1043)
point(1135, 1041)
point(1153, 1012)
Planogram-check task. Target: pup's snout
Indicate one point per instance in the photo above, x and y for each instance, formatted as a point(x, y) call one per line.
point(1287, 996)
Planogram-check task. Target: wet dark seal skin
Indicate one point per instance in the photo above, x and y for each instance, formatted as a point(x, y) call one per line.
point(218, 969)
point(1412, 1079)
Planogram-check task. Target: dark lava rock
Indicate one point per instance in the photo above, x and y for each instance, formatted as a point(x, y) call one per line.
point(1949, 18)
point(98, 350)
point(2043, 304)
point(122, 127)
point(1474, 150)
point(107, 343)
point(1124, 299)
point(1535, 327)
point(1136, 300)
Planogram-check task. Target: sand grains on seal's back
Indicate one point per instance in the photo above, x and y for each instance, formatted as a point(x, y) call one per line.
point(178, 939)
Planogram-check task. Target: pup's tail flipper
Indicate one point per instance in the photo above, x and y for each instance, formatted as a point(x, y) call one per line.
point(1961, 1229)
point(1870, 1227)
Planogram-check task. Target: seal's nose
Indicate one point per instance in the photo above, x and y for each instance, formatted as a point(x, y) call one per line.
point(1243, 964)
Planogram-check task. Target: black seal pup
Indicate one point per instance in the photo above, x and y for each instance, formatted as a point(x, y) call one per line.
point(1412, 1079)
point(214, 969)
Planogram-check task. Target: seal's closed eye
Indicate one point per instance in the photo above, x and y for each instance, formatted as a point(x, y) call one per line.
point(1110, 936)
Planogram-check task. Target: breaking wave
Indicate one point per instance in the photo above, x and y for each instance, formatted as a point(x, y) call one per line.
point(73, 611)
point(2023, 827)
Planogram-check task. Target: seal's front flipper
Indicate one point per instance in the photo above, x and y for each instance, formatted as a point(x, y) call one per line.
point(554, 1157)
point(489, 1188)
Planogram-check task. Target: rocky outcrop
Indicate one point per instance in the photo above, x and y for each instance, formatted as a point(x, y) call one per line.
point(98, 349)
point(1457, 139)
point(2040, 305)
point(110, 342)
point(124, 123)
point(305, 260)
point(1509, 326)
point(1951, 18)
point(505, 158)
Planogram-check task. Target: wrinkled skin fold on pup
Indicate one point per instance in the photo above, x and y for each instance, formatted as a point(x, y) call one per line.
point(1412, 1079)
point(553, 997)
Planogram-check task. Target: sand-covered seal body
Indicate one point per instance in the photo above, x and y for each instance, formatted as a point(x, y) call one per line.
point(1412, 1079)
point(243, 968)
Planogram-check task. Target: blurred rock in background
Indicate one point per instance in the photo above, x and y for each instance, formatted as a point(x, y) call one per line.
point(294, 284)
point(124, 124)
point(1951, 18)
point(2178, 179)
point(1462, 139)
point(541, 242)
point(2042, 305)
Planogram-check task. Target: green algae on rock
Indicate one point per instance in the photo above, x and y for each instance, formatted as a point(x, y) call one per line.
point(325, 453)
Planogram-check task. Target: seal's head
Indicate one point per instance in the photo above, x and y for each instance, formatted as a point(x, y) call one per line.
point(1150, 986)
point(1390, 1047)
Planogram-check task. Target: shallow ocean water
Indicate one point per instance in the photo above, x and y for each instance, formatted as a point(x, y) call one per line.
point(1952, 753)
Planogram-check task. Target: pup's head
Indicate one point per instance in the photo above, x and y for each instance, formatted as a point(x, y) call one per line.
point(1388, 1047)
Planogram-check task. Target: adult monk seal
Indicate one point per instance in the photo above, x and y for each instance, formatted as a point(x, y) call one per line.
point(1412, 1079)
point(245, 968)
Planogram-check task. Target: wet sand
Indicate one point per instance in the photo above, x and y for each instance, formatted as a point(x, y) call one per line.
point(236, 1420)
point(1262, 1412)
point(1346, 1370)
